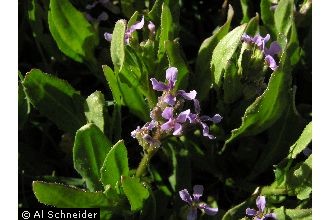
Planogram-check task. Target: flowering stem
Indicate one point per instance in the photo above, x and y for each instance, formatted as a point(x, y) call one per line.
point(145, 162)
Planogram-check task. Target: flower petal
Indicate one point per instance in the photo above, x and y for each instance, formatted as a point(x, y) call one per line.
point(261, 203)
point(167, 125)
point(206, 131)
point(188, 95)
point(271, 62)
point(167, 113)
point(207, 209)
point(158, 86)
point(169, 99)
point(137, 26)
point(152, 27)
point(171, 74)
point(198, 192)
point(216, 118)
point(274, 48)
point(182, 117)
point(250, 212)
point(177, 129)
point(185, 196)
point(107, 36)
point(271, 216)
point(197, 106)
point(133, 133)
point(192, 214)
point(246, 38)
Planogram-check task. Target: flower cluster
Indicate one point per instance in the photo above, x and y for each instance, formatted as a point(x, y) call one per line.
point(167, 117)
point(259, 214)
point(129, 31)
point(195, 202)
point(269, 53)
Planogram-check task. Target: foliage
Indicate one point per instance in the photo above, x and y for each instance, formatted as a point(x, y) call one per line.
point(99, 70)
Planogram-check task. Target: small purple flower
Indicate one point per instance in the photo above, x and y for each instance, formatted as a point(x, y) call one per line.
point(172, 122)
point(195, 118)
point(259, 214)
point(171, 75)
point(129, 31)
point(269, 53)
point(195, 202)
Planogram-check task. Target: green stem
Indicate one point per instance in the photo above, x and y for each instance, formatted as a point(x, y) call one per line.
point(145, 162)
point(268, 190)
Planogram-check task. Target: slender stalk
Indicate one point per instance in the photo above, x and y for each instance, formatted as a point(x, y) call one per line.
point(145, 162)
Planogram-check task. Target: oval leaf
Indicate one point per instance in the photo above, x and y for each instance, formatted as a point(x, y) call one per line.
point(56, 99)
point(135, 192)
point(62, 196)
point(115, 165)
point(95, 109)
point(117, 48)
point(74, 35)
point(89, 151)
point(202, 78)
point(224, 51)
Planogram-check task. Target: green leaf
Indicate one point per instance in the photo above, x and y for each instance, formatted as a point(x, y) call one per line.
point(23, 106)
point(126, 94)
point(135, 192)
point(293, 214)
point(181, 176)
point(95, 109)
point(166, 27)
point(232, 85)
point(236, 212)
point(115, 165)
point(113, 83)
point(281, 136)
point(283, 16)
point(128, 7)
point(117, 48)
point(245, 10)
point(299, 179)
point(303, 141)
point(202, 78)
point(267, 108)
point(224, 51)
point(74, 35)
point(56, 99)
point(267, 15)
point(155, 11)
point(89, 151)
point(176, 59)
point(62, 196)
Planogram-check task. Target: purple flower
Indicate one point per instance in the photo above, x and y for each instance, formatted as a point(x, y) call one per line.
point(195, 202)
point(195, 118)
point(259, 214)
point(172, 122)
point(129, 31)
point(171, 75)
point(170, 95)
point(269, 53)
